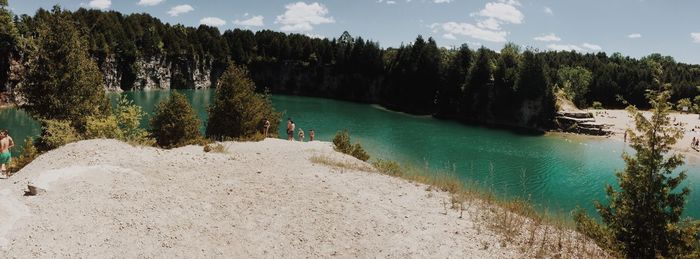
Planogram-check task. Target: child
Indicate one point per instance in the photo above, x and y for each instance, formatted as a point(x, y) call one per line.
point(301, 135)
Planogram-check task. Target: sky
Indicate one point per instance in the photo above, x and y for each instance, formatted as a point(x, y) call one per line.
point(634, 28)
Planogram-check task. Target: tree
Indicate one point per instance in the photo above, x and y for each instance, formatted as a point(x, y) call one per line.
point(575, 82)
point(536, 92)
point(63, 82)
point(175, 123)
point(476, 101)
point(238, 111)
point(644, 215)
point(455, 75)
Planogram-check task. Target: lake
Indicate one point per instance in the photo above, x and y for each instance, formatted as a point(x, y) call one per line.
point(557, 172)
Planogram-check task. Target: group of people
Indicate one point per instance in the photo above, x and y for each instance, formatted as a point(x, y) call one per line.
point(6, 143)
point(291, 127)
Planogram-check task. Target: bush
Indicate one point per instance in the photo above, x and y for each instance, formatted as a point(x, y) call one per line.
point(103, 127)
point(56, 133)
point(238, 112)
point(359, 152)
point(174, 123)
point(342, 144)
point(388, 167)
point(128, 116)
point(29, 153)
point(597, 105)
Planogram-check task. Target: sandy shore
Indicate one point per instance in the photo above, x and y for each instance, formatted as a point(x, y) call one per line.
point(620, 121)
point(105, 198)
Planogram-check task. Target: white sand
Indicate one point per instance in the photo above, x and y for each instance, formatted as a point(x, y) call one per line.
point(620, 121)
point(108, 199)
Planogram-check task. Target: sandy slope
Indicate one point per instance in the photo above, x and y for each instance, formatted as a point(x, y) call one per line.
point(108, 199)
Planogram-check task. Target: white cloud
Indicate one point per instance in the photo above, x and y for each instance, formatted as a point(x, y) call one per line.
point(212, 21)
point(548, 10)
point(564, 47)
point(548, 38)
point(442, 1)
point(100, 4)
point(470, 30)
point(695, 36)
point(180, 9)
point(390, 2)
point(592, 46)
point(634, 36)
point(149, 2)
point(490, 23)
point(502, 11)
point(449, 36)
point(255, 21)
point(301, 17)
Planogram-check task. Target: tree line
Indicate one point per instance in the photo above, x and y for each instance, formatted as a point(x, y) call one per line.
point(510, 86)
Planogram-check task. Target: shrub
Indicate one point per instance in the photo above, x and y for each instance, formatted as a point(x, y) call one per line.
point(237, 111)
point(359, 152)
point(342, 144)
point(174, 123)
point(103, 127)
point(597, 105)
point(128, 116)
point(56, 133)
point(388, 167)
point(29, 153)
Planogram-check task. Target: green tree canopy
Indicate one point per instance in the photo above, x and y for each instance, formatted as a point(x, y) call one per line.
point(63, 81)
point(238, 111)
point(575, 81)
point(175, 123)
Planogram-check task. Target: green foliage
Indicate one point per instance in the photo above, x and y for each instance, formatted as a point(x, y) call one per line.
point(128, 116)
point(56, 133)
point(105, 127)
point(644, 215)
point(575, 81)
point(29, 153)
point(359, 153)
point(597, 105)
point(63, 81)
point(684, 103)
point(175, 123)
point(238, 111)
point(341, 141)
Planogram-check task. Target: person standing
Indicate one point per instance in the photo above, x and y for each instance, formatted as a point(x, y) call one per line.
point(291, 134)
point(290, 129)
point(312, 135)
point(266, 127)
point(6, 143)
point(301, 135)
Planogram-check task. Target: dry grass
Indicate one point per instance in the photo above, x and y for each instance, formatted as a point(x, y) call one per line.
point(215, 148)
point(346, 165)
point(538, 234)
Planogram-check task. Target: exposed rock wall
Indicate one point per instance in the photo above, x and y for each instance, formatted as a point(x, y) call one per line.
point(159, 72)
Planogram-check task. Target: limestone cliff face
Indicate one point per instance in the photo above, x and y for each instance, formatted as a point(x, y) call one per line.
point(159, 72)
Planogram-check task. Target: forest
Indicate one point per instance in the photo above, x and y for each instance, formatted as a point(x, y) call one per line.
point(513, 86)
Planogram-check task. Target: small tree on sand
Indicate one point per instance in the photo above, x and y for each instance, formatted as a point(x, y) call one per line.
point(643, 217)
point(175, 123)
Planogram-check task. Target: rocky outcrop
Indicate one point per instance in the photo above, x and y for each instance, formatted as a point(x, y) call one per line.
point(158, 72)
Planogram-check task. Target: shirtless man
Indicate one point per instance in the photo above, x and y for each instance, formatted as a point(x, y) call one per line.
point(290, 129)
point(312, 135)
point(6, 143)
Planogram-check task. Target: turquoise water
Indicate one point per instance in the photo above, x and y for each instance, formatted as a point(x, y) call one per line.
point(557, 172)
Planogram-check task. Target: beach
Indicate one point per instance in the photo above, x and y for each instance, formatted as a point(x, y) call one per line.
point(620, 120)
point(105, 198)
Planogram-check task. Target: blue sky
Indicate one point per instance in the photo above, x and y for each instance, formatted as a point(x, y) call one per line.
point(631, 27)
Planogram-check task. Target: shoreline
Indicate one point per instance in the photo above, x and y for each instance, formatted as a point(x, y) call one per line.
point(619, 121)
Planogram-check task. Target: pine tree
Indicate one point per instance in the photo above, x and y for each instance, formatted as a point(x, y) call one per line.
point(63, 82)
point(175, 123)
point(644, 215)
point(238, 111)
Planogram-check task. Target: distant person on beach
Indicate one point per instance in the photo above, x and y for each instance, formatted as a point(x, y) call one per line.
point(290, 129)
point(301, 135)
point(625, 137)
point(266, 127)
point(312, 135)
point(294, 127)
point(6, 143)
